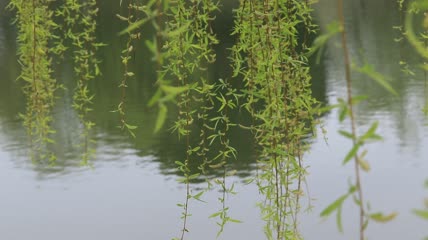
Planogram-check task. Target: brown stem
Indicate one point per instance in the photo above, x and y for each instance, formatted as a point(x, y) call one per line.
point(351, 114)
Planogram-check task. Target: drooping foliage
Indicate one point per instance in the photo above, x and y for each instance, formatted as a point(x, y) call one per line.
point(127, 55)
point(270, 56)
point(79, 28)
point(35, 26)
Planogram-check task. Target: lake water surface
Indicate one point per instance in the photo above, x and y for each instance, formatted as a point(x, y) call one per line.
point(132, 190)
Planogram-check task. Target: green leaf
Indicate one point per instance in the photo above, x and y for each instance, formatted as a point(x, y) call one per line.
point(365, 224)
point(179, 163)
point(182, 180)
point(193, 176)
point(351, 153)
point(352, 189)
point(151, 45)
point(215, 215)
point(377, 77)
point(130, 127)
point(421, 213)
point(336, 204)
point(410, 34)
point(155, 98)
point(346, 134)
point(174, 90)
point(177, 31)
point(232, 172)
point(234, 220)
point(364, 164)
point(198, 196)
point(343, 111)
point(219, 165)
point(121, 17)
point(356, 200)
point(161, 117)
point(380, 217)
point(320, 41)
point(134, 26)
point(370, 132)
point(357, 99)
point(195, 149)
point(339, 219)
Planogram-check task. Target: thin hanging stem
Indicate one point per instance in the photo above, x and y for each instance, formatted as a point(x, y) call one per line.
point(351, 114)
point(187, 131)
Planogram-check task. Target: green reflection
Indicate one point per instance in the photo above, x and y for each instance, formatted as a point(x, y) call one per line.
point(371, 39)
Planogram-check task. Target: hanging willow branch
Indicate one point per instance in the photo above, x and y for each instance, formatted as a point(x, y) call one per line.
point(133, 35)
point(346, 109)
point(80, 25)
point(187, 50)
point(351, 116)
point(277, 77)
point(34, 20)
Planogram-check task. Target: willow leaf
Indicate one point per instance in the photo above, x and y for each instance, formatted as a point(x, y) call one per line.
point(346, 134)
point(336, 204)
point(421, 213)
point(377, 77)
point(351, 153)
point(174, 90)
point(161, 117)
point(134, 26)
point(364, 164)
point(380, 217)
point(339, 219)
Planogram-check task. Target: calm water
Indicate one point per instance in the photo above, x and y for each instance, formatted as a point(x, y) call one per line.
point(131, 193)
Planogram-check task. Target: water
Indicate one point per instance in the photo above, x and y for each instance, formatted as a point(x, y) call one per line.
point(131, 192)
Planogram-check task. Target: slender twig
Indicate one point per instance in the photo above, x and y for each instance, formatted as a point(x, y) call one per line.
point(351, 114)
point(187, 130)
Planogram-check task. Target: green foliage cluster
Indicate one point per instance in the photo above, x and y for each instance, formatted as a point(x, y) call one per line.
point(182, 54)
point(40, 39)
point(187, 53)
point(34, 21)
point(227, 98)
point(272, 61)
point(79, 27)
point(183, 59)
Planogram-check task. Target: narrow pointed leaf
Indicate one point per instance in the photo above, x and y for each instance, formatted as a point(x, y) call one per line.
point(161, 117)
point(346, 134)
point(339, 219)
point(421, 213)
point(380, 217)
point(364, 164)
point(351, 153)
point(134, 26)
point(336, 204)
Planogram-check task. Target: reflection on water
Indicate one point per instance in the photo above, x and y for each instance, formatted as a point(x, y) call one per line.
point(131, 187)
point(372, 40)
